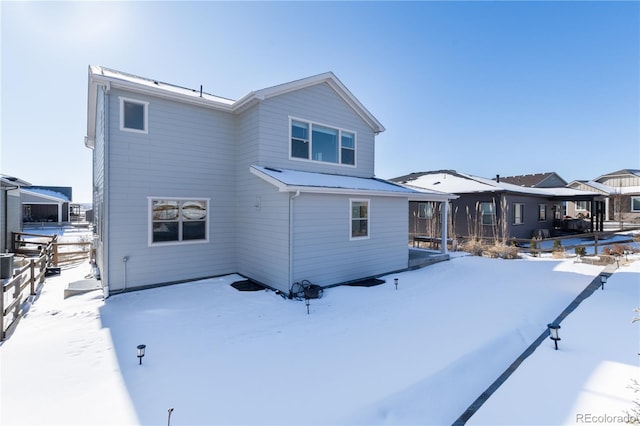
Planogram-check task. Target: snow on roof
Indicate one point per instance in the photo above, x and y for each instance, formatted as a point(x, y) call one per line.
point(45, 193)
point(155, 84)
point(460, 183)
point(293, 180)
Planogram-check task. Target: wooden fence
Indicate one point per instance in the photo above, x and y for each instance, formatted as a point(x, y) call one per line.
point(43, 253)
point(30, 276)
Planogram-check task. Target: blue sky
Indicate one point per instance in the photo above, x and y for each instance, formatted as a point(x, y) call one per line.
point(483, 88)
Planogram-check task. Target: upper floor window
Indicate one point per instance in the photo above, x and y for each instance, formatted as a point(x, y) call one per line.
point(134, 115)
point(178, 220)
point(315, 142)
point(518, 213)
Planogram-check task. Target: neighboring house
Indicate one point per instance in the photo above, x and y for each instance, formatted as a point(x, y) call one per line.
point(494, 209)
point(622, 192)
point(278, 186)
point(537, 180)
point(46, 204)
point(10, 209)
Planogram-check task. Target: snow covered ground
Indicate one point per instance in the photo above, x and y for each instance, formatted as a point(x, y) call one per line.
point(417, 355)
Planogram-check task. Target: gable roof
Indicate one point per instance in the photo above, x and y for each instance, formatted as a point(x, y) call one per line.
point(536, 180)
point(99, 75)
point(293, 180)
point(459, 183)
point(634, 172)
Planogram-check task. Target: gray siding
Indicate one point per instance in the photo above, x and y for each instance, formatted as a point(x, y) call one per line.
point(318, 104)
point(531, 223)
point(323, 252)
point(188, 152)
point(11, 221)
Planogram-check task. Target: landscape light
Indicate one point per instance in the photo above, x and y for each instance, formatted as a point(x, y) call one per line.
point(306, 302)
point(395, 281)
point(603, 280)
point(617, 258)
point(553, 333)
point(141, 352)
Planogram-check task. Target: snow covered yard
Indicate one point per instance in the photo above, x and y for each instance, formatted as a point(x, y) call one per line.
point(418, 355)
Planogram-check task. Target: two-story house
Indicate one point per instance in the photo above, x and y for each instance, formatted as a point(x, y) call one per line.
point(278, 186)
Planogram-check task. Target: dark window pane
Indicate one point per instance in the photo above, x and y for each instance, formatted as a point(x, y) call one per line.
point(324, 144)
point(194, 230)
point(348, 156)
point(359, 228)
point(165, 231)
point(299, 148)
point(133, 116)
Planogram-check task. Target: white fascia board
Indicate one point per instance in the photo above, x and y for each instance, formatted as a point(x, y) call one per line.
point(39, 195)
point(413, 196)
point(328, 78)
point(161, 92)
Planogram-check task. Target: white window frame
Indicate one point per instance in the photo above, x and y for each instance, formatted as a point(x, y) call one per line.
point(351, 218)
point(518, 213)
point(310, 141)
point(631, 200)
point(150, 242)
point(145, 104)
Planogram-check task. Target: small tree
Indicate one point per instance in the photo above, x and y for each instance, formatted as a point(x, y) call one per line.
point(534, 247)
point(581, 251)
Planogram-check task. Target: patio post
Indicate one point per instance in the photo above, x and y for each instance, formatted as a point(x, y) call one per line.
point(443, 220)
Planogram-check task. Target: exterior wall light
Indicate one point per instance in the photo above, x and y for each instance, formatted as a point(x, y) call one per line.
point(553, 333)
point(141, 349)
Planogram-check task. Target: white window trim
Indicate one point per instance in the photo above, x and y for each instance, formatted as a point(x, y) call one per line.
point(430, 209)
point(360, 200)
point(631, 204)
point(492, 214)
point(515, 207)
point(150, 242)
point(339, 129)
point(146, 115)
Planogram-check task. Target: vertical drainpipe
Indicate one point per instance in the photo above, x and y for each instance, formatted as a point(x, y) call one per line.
point(291, 198)
point(105, 191)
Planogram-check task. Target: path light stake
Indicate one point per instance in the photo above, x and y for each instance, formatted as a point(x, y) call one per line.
point(170, 410)
point(553, 333)
point(141, 352)
point(395, 281)
point(603, 280)
point(617, 258)
point(306, 302)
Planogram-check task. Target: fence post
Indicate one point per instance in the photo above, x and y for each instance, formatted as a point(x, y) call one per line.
point(595, 245)
point(32, 275)
point(55, 254)
point(2, 312)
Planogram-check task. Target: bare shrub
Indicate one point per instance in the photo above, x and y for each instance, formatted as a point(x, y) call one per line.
point(474, 247)
point(502, 251)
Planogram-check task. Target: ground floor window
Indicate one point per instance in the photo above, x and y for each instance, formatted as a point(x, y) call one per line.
point(542, 212)
point(178, 220)
point(359, 219)
point(488, 213)
point(518, 213)
point(425, 210)
point(635, 204)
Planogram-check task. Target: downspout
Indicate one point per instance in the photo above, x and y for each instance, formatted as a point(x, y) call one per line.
point(291, 198)
point(105, 192)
